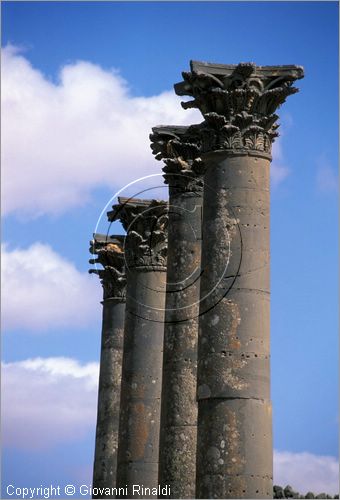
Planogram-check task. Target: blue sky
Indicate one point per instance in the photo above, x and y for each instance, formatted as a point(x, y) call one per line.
point(83, 82)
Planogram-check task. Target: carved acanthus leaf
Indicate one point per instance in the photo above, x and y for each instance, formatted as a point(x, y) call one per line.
point(145, 222)
point(179, 148)
point(238, 101)
point(110, 254)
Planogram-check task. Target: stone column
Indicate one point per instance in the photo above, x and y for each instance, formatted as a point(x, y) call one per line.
point(109, 251)
point(182, 171)
point(145, 222)
point(234, 451)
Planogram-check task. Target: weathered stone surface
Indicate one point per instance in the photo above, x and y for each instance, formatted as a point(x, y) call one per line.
point(228, 435)
point(178, 148)
point(238, 104)
point(146, 224)
point(109, 251)
point(183, 412)
point(105, 462)
point(110, 254)
point(233, 352)
point(131, 473)
point(223, 486)
point(145, 245)
point(178, 459)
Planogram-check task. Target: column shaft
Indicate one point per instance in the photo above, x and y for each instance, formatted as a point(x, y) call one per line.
point(141, 382)
point(146, 247)
point(178, 147)
point(105, 461)
point(238, 103)
point(234, 411)
point(179, 405)
point(110, 254)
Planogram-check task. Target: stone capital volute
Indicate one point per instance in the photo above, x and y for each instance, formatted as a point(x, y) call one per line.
point(145, 223)
point(109, 251)
point(179, 148)
point(238, 103)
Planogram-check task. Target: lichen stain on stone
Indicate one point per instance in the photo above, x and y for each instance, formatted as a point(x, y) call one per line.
point(213, 456)
point(139, 389)
point(236, 462)
point(141, 430)
point(235, 320)
point(231, 378)
point(112, 247)
point(235, 344)
point(214, 320)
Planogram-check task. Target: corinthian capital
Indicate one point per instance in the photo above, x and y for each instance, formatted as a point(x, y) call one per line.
point(145, 222)
point(110, 254)
point(238, 102)
point(179, 148)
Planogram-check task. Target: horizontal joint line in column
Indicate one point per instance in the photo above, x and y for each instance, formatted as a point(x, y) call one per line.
point(244, 188)
point(180, 425)
point(224, 398)
point(129, 462)
point(238, 475)
point(251, 290)
point(144, 399)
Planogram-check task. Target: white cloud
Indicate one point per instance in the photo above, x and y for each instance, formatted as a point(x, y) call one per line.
point(42, 290)
point(326, 177)
point(306, 472)
point(47, 401)
point(60, 141)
